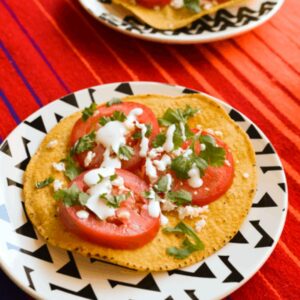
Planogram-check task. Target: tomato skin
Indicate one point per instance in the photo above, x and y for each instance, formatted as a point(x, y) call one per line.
point(85, 127)
point(139, 230)
point(153, 3)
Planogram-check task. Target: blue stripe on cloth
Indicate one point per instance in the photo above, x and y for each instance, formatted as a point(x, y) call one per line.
point(36, 47)
point(10, 107)
point(25, 81)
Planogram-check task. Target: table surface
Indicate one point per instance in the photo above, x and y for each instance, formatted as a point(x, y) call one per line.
point(50, 48)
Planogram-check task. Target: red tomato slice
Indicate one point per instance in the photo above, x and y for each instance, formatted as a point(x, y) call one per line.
point(153, 3)
point(216, 180)
point(115, 232)
point(81, 128)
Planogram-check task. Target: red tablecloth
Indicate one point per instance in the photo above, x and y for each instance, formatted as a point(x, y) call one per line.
point(50, 48)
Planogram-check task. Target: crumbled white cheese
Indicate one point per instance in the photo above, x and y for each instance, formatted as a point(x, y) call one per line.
point(98, 206)
point(124, 214)
point(119, 182)
point(131, 118)
point(178, 151)
point(110, 162)
point(162, 164)
point(170, 181)
point(210, 131)
point(52, 144)
point(206, 188)
point(200, 224)
point(202, 147)
point(246, 175)
point(190, 211)
point(88, 158)
point(155, 152)
point(150, 170)
point(168, 205)
point(103, 187)
point(227, 162)
point(92, 177)
point(57, 184)
point(169, 145)
point(163, 220)
point(144, 145)
point(177, 3)
point(218, 133)
point(187, 152)
point(59, 166)
point(82, 214)
point(194, 181)
point(154, 208)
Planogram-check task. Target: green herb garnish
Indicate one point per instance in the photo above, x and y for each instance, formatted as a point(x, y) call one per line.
point(117, 116)
point(86, 142)
point(125, 152)
point(114, 200)
point(88, 111)
point(159, 140)
point(193, 5)
point(113, 101)
point(138, 134)
point(180, 197)
point(162, 184)
point(181, 166)
point(71, 196)
point(187, 246)
point(72, 169)
point(41, 184)
point(213, 155)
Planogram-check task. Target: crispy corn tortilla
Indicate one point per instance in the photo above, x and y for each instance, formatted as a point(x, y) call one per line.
point(223, 220)
point(168, 18)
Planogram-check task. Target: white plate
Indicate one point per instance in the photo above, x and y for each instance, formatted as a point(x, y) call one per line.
point(47, 272)
point(224, 24)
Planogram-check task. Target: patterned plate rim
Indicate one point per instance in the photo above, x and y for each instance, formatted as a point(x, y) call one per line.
point(182, 89)
point(188, 39)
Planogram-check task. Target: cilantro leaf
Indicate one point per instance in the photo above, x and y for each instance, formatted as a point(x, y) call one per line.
point(180, 197)
point(41, 184)
point(113, 101)
point(85, 143)
point(187, 246)
point(114, 200)
point(177, 138)
point(192, 5)
point(71, 196)
point(88, 111)
point(200, 163)
point(181, 166)
point(125, 152)
point(174, 116)
point(72, 168)
point(159, 140)
point(117, 116)
point(104, 120)
point(213, 155)
point(162, 184)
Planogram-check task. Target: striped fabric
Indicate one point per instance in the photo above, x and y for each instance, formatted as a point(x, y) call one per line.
point(50, 48)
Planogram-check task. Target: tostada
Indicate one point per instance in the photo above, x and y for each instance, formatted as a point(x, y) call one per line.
point(149, 182)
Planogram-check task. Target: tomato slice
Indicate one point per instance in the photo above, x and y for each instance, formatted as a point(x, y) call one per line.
point(82, 128)
point(115, 232)
point(216, 180)
point(153, 3)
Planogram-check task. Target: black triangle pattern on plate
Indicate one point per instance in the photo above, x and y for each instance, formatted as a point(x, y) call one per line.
point(189, 91)
point(23, 164)
point(27, 272)
point(203, 271)
point(70, 99)
point(266, 240)
point(239, 239)
point(253, 133)
point(41, 253)
point(265, 201)
point(27, 228)
point(169, 298)
point(236, 116)
point(222, 19)
point(124, 88)
point(92, 260)
point(282, 186)
point(70, 268)
point(191, 294)
point(3, 213)
point(5, 148)
point(14, 183)
point(147, 283)
point(58, 117)
point(91, 92)
point(270, 168)
point(86, 292)
point(38, 124)
point(267, 150)
point(235, 275)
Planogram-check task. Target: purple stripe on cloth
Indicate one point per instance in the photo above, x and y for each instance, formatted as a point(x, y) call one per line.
point(36, 47)
point(10, 107)
point(25, 81)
